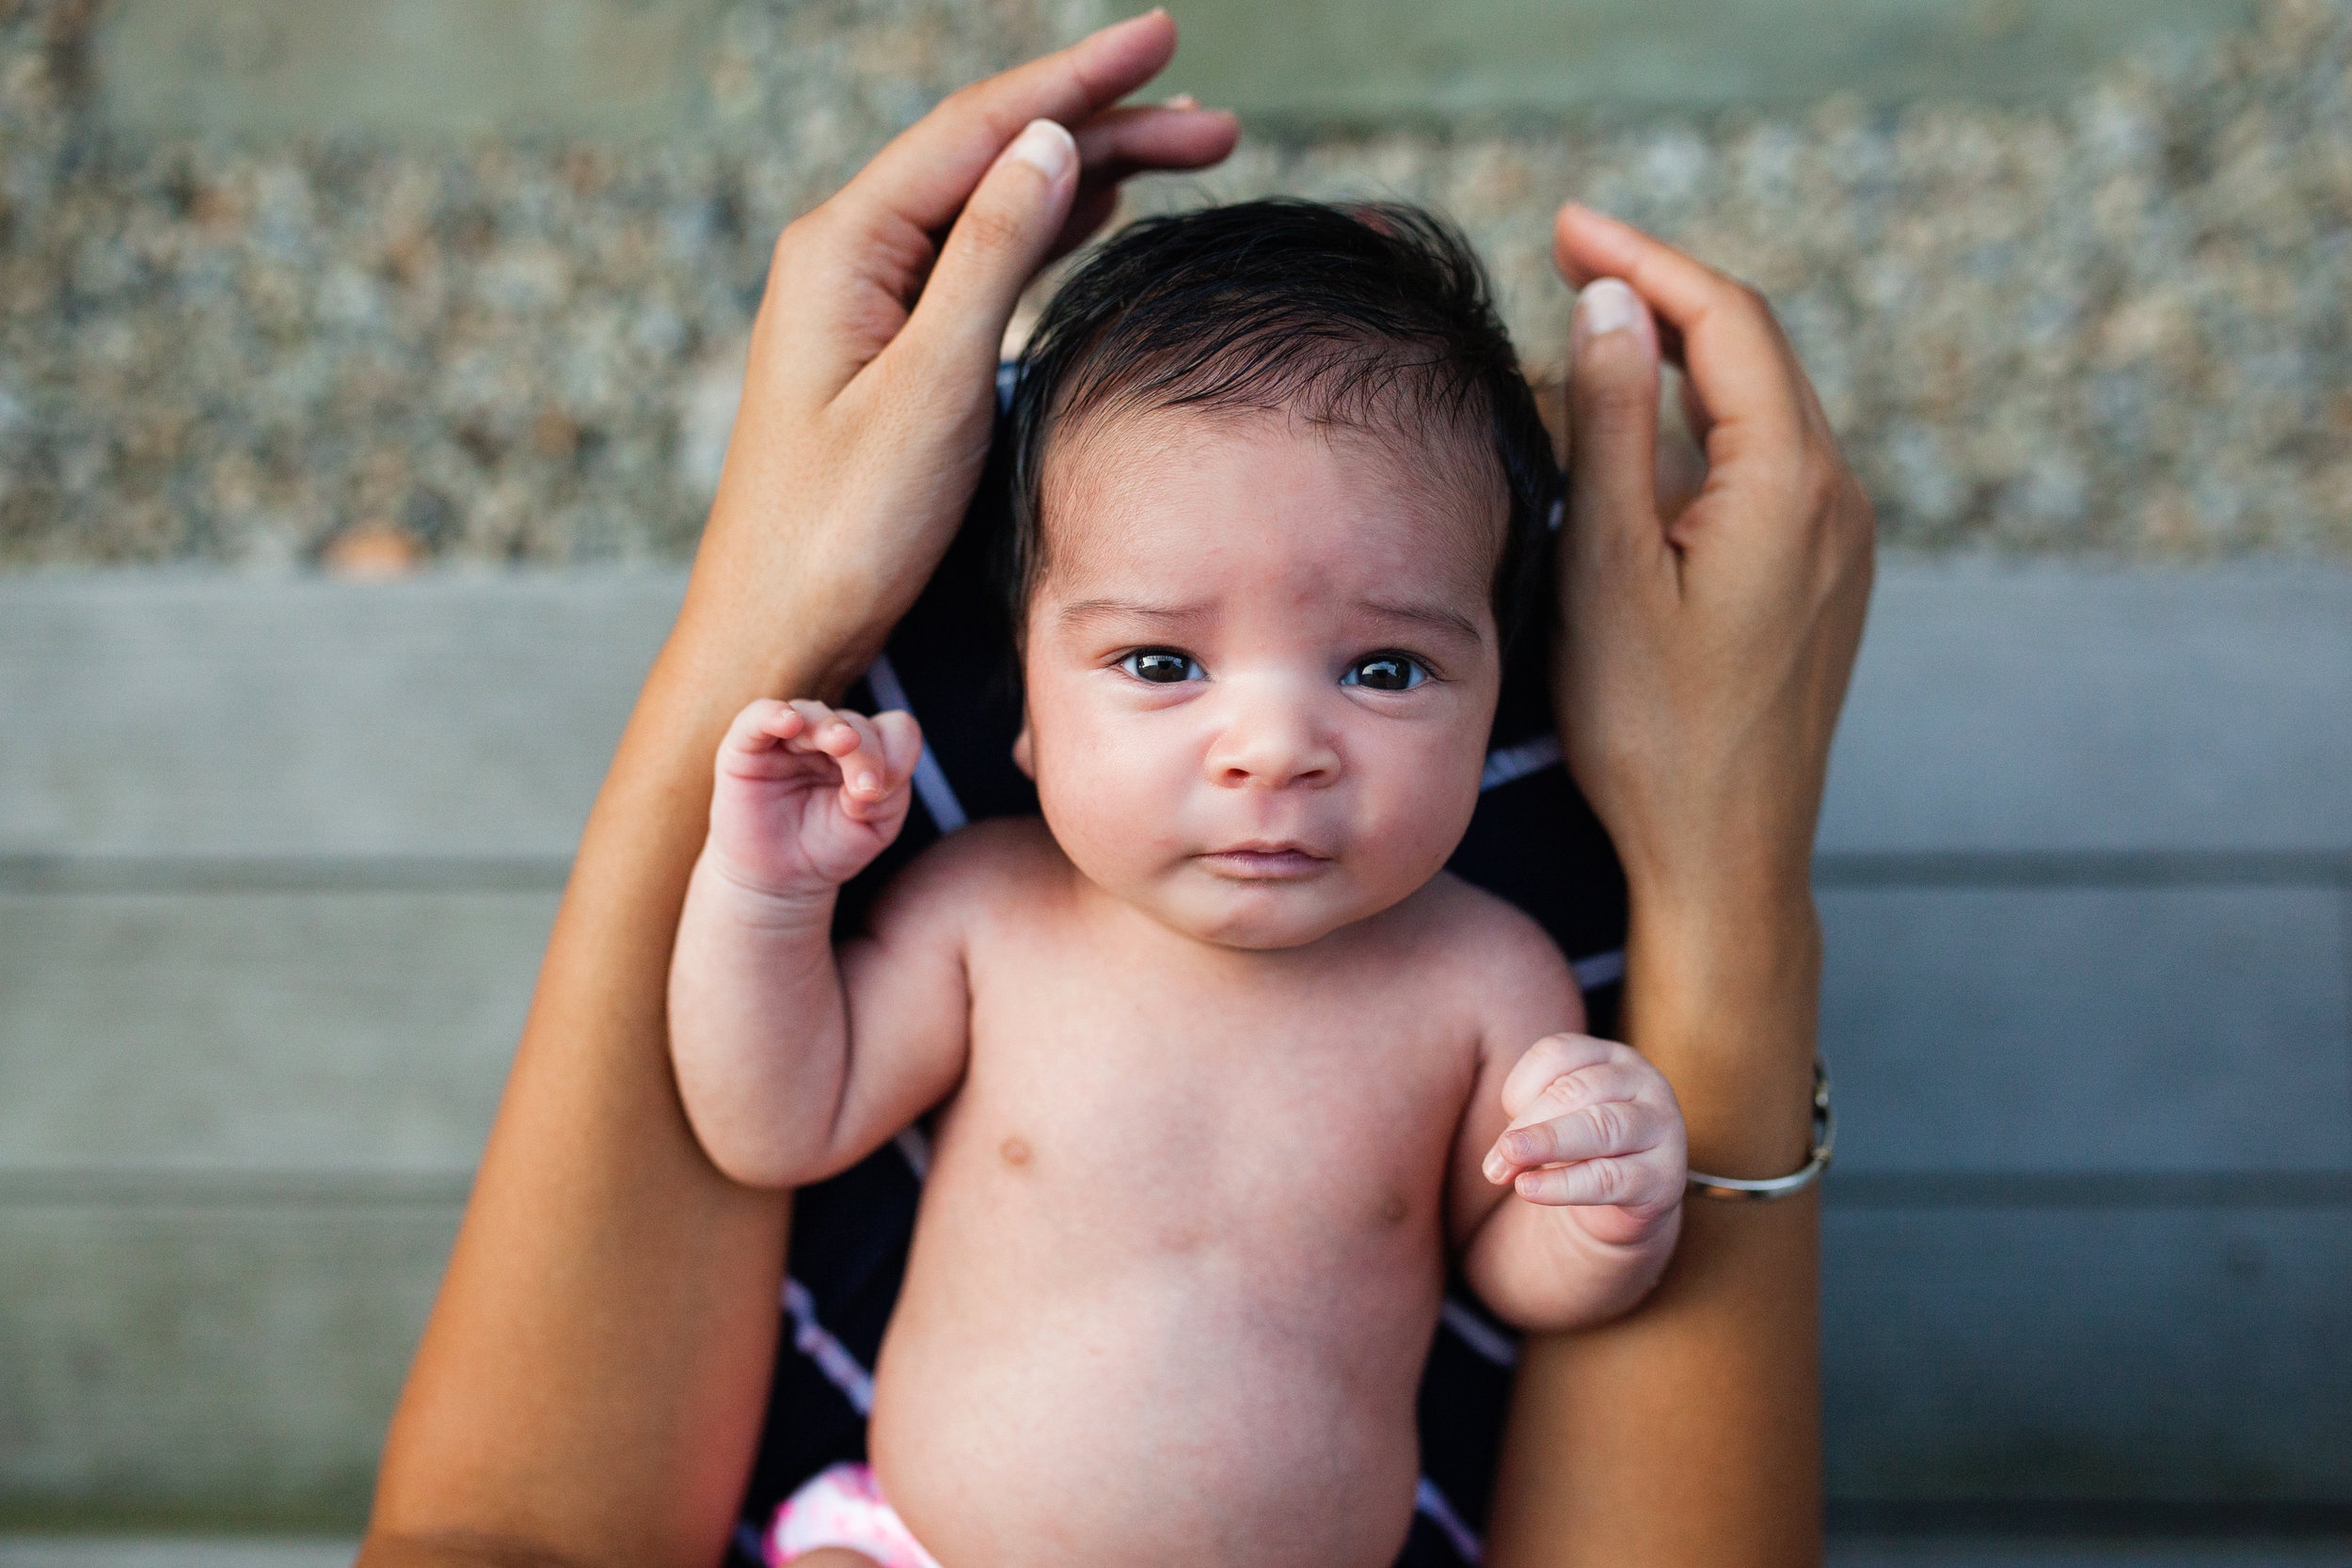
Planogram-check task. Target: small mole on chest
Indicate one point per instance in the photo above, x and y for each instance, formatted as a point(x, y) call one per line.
point(1392, 1212)
point(1014, 1151)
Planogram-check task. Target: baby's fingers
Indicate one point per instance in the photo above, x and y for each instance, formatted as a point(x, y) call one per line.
point(877, 767)
point(901, 742)
point(761, 725)
point(1615, 1184)
point(1549, 1060)
point(1605, 1129)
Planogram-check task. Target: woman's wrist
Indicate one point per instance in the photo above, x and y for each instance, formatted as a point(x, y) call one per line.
point(1722, 994)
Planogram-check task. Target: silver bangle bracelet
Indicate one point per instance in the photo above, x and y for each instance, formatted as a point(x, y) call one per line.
point(1825, 1135)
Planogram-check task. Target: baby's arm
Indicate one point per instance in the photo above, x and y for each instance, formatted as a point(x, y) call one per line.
point(1570, 1167)
point(793, 1066)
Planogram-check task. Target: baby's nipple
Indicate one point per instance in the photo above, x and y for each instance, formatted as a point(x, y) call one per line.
point(1014, 1151)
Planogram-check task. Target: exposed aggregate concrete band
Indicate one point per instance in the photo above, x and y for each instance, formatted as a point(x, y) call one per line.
point(2119, 324)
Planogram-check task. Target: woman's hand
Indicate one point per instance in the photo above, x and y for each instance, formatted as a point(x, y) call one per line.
point(869, 396)
point(1708, 640)
point(1709, 633)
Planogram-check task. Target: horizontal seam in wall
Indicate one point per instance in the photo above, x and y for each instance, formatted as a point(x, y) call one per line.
point(235, 873)
point(2085, 868)
point(25, 873)
point(2322, 1189)
point(211, 1189)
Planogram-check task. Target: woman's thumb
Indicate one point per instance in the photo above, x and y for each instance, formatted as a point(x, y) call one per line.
point(1613, 411)
point(1005, 233)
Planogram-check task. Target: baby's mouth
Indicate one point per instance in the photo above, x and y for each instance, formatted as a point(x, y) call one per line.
point(1264, 862)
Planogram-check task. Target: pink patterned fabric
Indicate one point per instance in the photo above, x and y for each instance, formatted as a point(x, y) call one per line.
point(843, 1507)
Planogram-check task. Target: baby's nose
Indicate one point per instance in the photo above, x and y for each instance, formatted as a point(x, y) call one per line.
point(1272, 740)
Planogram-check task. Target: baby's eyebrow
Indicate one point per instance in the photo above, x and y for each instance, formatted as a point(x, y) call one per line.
point(1435, 617)
point(1089, 610)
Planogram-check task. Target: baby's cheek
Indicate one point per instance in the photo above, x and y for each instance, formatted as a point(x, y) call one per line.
point(1111, 820)
point(1418, 811)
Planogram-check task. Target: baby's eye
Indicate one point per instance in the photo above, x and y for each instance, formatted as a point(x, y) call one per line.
point(1385, 673)
point(1162, 668)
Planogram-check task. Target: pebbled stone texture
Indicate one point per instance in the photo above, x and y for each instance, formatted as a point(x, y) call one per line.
point(2118, 325)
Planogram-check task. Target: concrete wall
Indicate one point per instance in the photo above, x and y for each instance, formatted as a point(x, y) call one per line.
point(276, 863)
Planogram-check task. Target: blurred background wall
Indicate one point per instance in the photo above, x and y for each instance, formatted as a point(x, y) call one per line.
point(470, 279)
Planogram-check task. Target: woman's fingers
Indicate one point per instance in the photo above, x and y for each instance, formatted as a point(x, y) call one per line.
point(1613, 417)
point(1144, 137)
point(922, 178)
point(1005, 232)
point(1135, 140)
point(1045, 194)
point(1739, 365)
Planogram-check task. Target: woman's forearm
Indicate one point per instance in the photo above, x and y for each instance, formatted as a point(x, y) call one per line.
point(1688, 1432)
point(593, 1379)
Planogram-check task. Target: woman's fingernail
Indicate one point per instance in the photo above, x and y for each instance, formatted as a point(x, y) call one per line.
point(1606, 306)
point(866, 782)
point(1182, 101)
point(1047, 147)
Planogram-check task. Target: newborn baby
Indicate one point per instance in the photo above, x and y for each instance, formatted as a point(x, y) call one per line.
point(1226, 1068)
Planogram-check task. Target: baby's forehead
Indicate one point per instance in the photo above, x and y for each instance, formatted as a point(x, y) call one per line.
point(1425, 501)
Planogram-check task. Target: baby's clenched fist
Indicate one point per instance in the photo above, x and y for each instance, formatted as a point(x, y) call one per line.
point(1595, 1127)
point(805, 796)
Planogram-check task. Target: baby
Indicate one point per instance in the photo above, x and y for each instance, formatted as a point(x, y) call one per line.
point(1227, 1069)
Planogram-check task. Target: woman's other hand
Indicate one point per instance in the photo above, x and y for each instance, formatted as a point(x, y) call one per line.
point(868, 399)
point(1708, 632)
point(1709, 639)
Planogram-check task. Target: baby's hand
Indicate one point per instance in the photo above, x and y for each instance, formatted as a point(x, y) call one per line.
point(1593, 1125)
point(807, 796)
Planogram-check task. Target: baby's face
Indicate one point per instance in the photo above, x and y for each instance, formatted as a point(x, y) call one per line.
point(1261, 667)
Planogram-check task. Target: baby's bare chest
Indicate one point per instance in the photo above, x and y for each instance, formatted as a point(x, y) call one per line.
point(1130, 1105)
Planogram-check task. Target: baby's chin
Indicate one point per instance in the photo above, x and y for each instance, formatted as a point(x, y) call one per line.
point(1264, 917)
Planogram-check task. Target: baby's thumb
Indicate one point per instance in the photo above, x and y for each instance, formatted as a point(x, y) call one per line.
point(1613, 413)
point(1005, 234)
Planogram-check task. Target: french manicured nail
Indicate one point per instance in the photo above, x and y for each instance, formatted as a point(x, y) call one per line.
point(1605, 306)
point(1047, 147)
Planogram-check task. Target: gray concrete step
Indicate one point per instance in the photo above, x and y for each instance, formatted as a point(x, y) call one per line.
point(278, 858)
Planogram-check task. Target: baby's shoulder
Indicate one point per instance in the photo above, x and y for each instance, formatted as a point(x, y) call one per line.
point(1507, 964)
point(974, 870)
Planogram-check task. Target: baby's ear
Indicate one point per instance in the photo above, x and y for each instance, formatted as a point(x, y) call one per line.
point(1025, 755)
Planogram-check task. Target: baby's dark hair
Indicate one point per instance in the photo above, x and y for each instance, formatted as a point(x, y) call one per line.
point(1373, 317)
